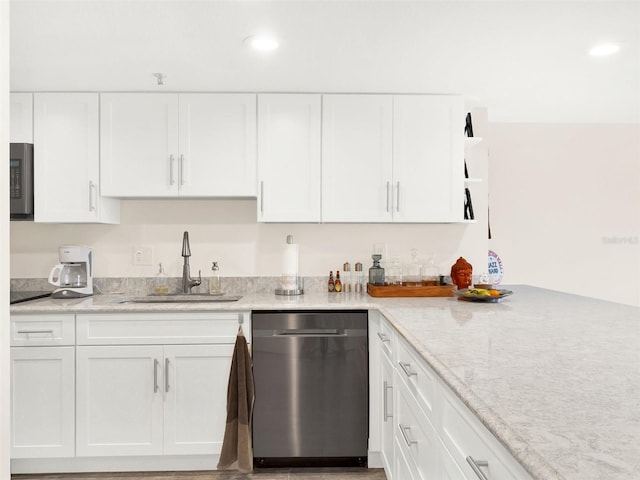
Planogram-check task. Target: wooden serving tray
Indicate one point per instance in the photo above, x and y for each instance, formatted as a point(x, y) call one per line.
point(410, 290)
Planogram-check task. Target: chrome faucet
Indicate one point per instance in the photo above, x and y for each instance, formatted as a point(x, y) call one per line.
point(187, 282)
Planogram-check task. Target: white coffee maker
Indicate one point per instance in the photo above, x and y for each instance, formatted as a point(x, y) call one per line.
point(74, 274)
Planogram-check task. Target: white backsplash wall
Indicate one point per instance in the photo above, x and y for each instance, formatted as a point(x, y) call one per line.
point(227, 231)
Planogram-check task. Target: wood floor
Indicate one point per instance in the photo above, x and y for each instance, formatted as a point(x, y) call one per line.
point(263, 474)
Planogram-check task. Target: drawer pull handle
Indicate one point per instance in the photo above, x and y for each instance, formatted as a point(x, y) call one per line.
point(383, 337)
point(28, 332)
point(403, 430)
point(405, 369)
point(475, 466)
point(386, 416)
point(155, 375)
point(166, 374)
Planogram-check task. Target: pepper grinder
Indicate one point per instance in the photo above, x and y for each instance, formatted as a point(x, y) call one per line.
point(346, 278)
point(359, 279)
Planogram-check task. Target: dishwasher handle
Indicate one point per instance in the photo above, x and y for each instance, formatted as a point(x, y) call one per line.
point(309, 332)
point(306, 332)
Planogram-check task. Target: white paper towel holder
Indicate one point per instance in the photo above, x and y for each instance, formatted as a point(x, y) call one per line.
point(290, 276)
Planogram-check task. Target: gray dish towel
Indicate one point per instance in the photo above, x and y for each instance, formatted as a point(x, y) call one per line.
point(237, 452)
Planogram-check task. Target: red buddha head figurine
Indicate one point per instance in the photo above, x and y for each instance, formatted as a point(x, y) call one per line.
point(461, 274)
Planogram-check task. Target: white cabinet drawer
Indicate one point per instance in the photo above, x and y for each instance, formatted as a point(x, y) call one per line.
point(415, 436)
point(417, 376)
point(385, 337)
point(161, 328)
point(42, 330)
point(469, 441)
point(401, 464)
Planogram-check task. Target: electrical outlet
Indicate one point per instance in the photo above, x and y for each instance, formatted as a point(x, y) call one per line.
point(143, 255)
point(380, 248)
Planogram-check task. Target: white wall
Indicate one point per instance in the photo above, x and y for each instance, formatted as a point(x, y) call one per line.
point(565, 207)
point(4, 243)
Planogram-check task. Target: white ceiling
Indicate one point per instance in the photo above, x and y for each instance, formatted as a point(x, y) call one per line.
point(526, 61)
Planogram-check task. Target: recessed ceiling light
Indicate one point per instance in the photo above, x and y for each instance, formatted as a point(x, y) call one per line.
point(604, 49)
point(262, 42)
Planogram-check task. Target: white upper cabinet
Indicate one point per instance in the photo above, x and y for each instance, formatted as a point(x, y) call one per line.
point(357, 158)
point(393, 158)
point(165, 145)
point(217, 145)
point(21, 118)
point(66, 161)
point(428, 158)
point(289, 157)
point(139, 144)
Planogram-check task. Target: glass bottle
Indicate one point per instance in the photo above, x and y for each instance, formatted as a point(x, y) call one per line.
point(214, 280)
point(161, 282)
point(331, 284)
point(376, 272)
point(338, 283)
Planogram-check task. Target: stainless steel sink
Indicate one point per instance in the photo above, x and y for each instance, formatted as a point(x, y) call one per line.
point(182, 298)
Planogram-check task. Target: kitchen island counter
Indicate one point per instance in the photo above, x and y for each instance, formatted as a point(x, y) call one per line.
point(555, 377)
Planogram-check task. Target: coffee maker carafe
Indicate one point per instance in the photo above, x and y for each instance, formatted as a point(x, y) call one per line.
point(74, 274)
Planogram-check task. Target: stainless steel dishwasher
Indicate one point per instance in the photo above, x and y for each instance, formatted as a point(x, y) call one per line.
point(311, 374)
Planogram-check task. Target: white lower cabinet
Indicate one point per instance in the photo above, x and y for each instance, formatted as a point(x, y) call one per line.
point(387, 431)
point(151, 400)
point(119, 400)
point(120, 391)
point(42, 386)
point(153, 384)
point(435, 435)
point(195, 403)
point(415, 436)
point(42, 403)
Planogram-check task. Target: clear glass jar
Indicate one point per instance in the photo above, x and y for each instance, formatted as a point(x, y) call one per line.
point(413, 270)
point(394, 272)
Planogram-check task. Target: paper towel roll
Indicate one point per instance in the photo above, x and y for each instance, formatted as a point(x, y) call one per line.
point(290, 265)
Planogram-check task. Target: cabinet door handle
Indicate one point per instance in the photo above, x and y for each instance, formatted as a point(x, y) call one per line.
point(261, 196)
point(181, 173)
point(387, 196)
point(398, 197)
point(166, 374)
point(171, 179)
point(405, 369)
point(92, 194)
point(475, 466)
point(155, 375)
point(28, 332)
point(386, 415)
point(403, 430)
point(383, 337)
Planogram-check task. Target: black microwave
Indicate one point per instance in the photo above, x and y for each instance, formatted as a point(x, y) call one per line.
point(21, 181)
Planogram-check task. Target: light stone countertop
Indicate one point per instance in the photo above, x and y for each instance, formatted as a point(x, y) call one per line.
point(555, 377)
